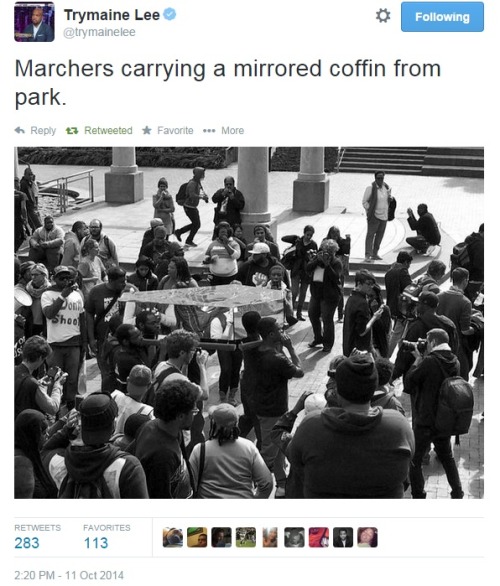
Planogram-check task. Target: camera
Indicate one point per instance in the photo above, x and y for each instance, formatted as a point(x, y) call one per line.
point(420, 345)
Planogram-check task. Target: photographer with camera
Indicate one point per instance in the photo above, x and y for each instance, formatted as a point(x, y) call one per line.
point(434, 362)
point(42, 394)
point(229, 203)
point(426, 320)
point(63, 307)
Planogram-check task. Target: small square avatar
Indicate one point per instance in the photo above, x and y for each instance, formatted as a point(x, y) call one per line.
point(172, 537)
point(367, 537)
point(221, 537)
point(197, 537)
point(34, 22)
point(245, 537)
point(319, 536)
point(342, 536)
point(270, 537)
point(294, 537)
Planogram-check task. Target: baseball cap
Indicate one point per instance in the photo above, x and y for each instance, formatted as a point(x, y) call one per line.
point(61, 269)
point(260, 248)
point(138, 381)
point(224, 415)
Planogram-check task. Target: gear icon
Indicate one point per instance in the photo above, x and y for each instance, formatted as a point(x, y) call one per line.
point(383, 15)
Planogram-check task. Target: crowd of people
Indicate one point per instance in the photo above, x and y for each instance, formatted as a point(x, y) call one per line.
point(144, 433)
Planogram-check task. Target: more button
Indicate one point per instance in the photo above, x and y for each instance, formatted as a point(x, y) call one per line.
point(442, 17)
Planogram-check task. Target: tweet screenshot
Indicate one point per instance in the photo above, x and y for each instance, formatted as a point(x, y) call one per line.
point(249, 291)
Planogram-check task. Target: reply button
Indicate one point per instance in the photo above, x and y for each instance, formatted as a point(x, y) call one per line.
point(442, 17)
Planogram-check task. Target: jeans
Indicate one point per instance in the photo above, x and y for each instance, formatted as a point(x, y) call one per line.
point(194, 215)
point(374, 235)
point(68, 360)
point(299, 288)
point(322, 310)
point(419, 243)
point(442, 447)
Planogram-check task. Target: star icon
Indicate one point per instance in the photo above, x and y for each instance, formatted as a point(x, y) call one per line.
point(146, 130)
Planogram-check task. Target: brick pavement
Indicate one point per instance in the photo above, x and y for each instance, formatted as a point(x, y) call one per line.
point(457, 203)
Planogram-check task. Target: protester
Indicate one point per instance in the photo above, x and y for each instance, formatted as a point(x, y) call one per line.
point(163, 204)
point(428, 234)
point(222, 255)
point(91, 267)
point(229, 203)
point(276, 276)
point(72, 244)
point(46, 244)
point(107, 248)
point(376, 202)
point(29, 187)
point(194, 192)
point(262, 234)
point(129, 403)
point(343, 255)
point(35, 288)
point(352, 451)
point(232, 466)
point(144, 279)
point(381, 329)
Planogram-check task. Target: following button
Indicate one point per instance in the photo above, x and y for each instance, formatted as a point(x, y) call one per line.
point(442, 17)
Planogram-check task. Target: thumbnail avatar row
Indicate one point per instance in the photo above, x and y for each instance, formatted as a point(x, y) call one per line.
point(269, 537)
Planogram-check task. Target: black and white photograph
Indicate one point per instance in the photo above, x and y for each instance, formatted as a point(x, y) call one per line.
point(249, 323)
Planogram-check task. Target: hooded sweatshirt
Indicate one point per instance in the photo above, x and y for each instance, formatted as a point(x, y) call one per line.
point(340, 454)
point(72, 250)
point(126, 479)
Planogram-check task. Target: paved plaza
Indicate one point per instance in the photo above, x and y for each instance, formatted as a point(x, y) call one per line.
point(456, 203)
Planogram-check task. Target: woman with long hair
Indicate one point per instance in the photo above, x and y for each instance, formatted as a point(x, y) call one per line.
point(163, 203)
point(91, 267)
point(178, 275)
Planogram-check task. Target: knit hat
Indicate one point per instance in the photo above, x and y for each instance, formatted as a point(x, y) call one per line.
point(97, 413)
point(357, 378)
point(260, 248)
point(429, 299)
point(133, 424)
point(224, 415)
point(138, 381)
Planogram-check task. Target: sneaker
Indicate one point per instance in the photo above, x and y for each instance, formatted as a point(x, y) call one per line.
point(178, 235)
point(191, 244)
point(376, 257)
point(290, 320)
point(299, 317)
point(315, 343)
point(327, 349)
point(368, 259)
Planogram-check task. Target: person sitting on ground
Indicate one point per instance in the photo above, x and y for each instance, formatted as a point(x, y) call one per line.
point(144, 279)
point(46, 244)
point(232, 467)
point(428, 234)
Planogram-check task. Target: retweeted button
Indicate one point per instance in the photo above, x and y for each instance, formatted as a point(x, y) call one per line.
point(442, 17)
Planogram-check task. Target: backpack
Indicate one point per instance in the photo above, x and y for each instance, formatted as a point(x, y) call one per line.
point(289, 257)
point(460, 256)
point(454, 407)
point(181, 196)
point(94, 488)
point(407, 300)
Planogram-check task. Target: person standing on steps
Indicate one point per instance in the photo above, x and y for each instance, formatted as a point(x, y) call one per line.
point(376, 203)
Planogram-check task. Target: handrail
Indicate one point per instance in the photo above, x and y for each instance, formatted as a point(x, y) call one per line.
point(61, 186)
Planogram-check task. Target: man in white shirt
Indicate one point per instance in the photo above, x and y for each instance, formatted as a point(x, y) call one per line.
point(376, 203)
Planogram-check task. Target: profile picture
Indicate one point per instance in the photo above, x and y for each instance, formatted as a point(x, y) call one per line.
point(34, 22)
point(197, 537)
point(319, 536)
point(221, 537)
point(245, 537)
point(294, 537)
point(270, 537)
point(342, 536)
point(172, 537)
point(367, 537)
